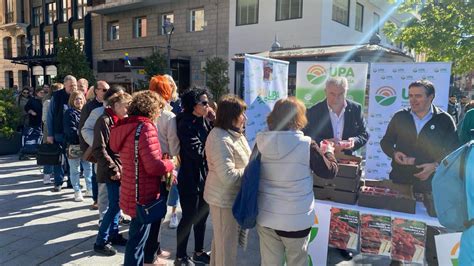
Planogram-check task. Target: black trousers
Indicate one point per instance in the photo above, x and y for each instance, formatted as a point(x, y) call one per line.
point(195, 212)
point(152, 245)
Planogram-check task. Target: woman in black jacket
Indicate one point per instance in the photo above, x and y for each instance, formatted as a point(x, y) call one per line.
point(70, 123)
point(193, 128)
point(34, 109)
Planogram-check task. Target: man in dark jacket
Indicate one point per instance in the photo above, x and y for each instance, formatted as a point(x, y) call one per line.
point(34, 109)
point(418, 138)
point(337, 119)
point(54, 121)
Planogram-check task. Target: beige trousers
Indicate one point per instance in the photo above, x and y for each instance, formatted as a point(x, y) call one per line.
point(274, 248)
point(225, 237)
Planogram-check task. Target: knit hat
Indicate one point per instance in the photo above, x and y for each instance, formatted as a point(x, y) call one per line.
point(162, 86)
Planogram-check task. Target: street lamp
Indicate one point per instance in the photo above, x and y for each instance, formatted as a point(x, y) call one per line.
point(168, 29)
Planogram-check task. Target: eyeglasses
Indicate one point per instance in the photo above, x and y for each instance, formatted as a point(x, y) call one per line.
point(204, 103)
point(25, 92)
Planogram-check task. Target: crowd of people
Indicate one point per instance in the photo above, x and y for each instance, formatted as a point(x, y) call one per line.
point(135, 149)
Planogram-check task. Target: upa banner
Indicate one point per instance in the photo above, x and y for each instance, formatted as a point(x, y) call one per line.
point(447, 248)
point(311, 80)
point(266, 81)
point(388, 94)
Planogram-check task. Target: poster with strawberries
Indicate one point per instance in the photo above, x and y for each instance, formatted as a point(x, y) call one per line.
point(375, 234)
point(408, 240)
point(344, 229)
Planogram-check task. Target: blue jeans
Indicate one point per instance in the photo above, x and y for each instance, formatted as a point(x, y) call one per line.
point(75, 172)
point(47, 169)
point(173, 196)
point(109, 226)
point(137, 237)
point(58, 170)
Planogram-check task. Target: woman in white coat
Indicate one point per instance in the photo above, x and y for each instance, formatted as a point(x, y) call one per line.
point(227, 154)
point(285, 193)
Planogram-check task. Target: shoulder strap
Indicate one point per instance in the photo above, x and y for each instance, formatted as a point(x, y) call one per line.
point(137, 138)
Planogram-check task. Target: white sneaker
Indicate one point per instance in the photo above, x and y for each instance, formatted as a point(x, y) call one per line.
point(88, 194)
point(47, 179)
point(173, 221)
point(78, 196)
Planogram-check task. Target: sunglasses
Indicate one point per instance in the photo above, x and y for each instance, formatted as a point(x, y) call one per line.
point(204, 103)
point(25, 92)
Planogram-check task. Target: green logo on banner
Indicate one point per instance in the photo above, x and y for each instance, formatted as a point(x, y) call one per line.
point(316, 74)
point(385, 96)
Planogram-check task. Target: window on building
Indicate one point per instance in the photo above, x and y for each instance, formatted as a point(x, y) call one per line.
point(340, 11)
point(79, 35)
point(67, 10)
point(9, 12)
point(20, 45)
point(7, 48)
point(164, 18)
point(48, 42)
point(289, 9)
point(8, 79)
point(359, 17)
point(35, 44)
point(51, 13)
point(377, 22)
point(196, 20)
point(81, 9)
point(37, 16)
point(139, 27)
point(247, 12)
point(113, 30)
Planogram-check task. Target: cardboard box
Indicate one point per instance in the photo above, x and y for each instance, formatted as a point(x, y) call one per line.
point(338, 182)
point(336, 195)
point(402, 199)
point(351, 170)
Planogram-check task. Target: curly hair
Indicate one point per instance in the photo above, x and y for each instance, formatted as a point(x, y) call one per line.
point(288, 114)
point(190, 98)
point(146, 103)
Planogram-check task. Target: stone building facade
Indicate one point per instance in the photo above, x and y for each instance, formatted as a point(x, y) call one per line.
point(201, 30)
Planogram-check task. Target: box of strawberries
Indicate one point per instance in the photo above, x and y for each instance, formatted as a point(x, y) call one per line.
point(384, 194)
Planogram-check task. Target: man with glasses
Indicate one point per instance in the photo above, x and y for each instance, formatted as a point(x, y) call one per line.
point(54, 121)
point(100, 88)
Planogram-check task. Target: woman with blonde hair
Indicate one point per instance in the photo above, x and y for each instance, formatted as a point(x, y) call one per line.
point(74, 154)
point(285, 193)
point(109, 171)
point(227, 153)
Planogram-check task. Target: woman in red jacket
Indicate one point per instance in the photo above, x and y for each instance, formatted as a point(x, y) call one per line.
point(146, 106)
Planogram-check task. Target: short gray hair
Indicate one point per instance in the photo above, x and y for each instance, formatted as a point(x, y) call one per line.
point(340, 82)
point(69, 77)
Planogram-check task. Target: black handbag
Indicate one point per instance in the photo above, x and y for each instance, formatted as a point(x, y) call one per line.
point(49, 154)
point(156, 210)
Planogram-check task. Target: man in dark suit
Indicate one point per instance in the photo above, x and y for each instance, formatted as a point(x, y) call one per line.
point(337, 119)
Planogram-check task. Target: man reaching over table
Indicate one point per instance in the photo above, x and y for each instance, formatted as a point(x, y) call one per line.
point(337, 119)
point(418, 138)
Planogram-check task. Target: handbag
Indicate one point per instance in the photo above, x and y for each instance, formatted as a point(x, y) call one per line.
point(88, 156)
point(49, 154)
point(156, 210)
point(74, 152)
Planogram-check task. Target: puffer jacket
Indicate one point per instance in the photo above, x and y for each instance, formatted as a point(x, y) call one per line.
point(285, 193)
point(227, 155)
point(151, 166)
point(70, 124)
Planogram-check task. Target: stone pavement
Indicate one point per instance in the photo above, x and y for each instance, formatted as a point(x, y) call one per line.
point(38, 227)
